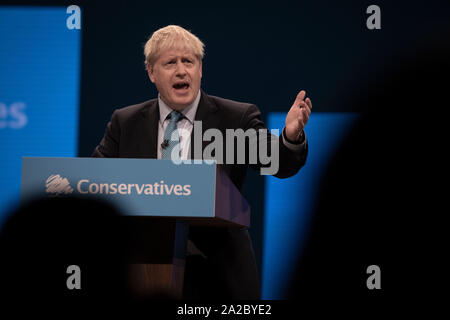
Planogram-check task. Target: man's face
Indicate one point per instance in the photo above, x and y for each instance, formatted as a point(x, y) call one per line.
point(177, 75)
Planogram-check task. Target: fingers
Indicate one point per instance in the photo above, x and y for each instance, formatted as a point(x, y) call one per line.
point(305, 106)
point(300, 102)
point(309, 103)
point(300, 96)
point(304, 117)
point(302, 108)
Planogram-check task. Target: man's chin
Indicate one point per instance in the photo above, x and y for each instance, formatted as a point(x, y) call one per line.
point(181, 104)
point(178, 103)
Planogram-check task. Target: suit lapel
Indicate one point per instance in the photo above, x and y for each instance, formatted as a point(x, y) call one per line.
point(148, 131)
point(207, 114)
point(147, 128)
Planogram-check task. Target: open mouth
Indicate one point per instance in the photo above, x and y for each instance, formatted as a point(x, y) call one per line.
point(181, 86)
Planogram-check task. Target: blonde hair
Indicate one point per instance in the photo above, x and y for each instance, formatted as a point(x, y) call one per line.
point(172, 37)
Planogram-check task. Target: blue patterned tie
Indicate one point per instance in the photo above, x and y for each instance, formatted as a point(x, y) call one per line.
point(169, 144)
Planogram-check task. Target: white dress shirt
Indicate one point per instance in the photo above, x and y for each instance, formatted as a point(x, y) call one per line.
point(184, 126)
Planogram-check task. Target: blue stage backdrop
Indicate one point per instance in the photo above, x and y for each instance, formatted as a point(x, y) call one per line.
point(39, 90)
point(290, 203)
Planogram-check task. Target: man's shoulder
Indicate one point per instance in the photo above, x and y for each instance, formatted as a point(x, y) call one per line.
point(229, 104)
point(135, 109)
point(232, 112)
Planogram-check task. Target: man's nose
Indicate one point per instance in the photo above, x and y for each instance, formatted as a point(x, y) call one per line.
point(181, 69)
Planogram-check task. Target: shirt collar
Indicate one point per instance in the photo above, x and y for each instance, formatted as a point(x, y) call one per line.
point(188, 112)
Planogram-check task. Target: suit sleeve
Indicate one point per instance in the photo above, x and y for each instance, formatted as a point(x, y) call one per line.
point(289, 160)
point(109, 145)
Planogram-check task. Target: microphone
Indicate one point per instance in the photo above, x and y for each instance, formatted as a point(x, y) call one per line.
point(165, 144)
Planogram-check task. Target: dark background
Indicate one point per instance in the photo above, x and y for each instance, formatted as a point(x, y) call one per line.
point(258, 52)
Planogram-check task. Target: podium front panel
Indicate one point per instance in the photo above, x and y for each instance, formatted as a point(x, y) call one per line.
point(139, 187)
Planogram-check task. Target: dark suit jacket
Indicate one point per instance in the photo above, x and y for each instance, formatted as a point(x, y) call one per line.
point(133, 132)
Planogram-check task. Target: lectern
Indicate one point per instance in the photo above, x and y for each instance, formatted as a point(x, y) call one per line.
point(160, 199)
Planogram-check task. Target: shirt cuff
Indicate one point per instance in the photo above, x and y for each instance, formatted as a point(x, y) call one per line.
point(295, 147)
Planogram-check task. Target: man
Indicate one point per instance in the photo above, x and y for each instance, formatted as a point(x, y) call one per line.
point(173, 58)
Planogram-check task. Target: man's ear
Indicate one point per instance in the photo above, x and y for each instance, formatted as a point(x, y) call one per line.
point(201, 74)
point(150, 72)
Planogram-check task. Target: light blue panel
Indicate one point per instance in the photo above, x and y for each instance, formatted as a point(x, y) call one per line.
point(289, 203)
point(137, 186)
point(39, 88)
